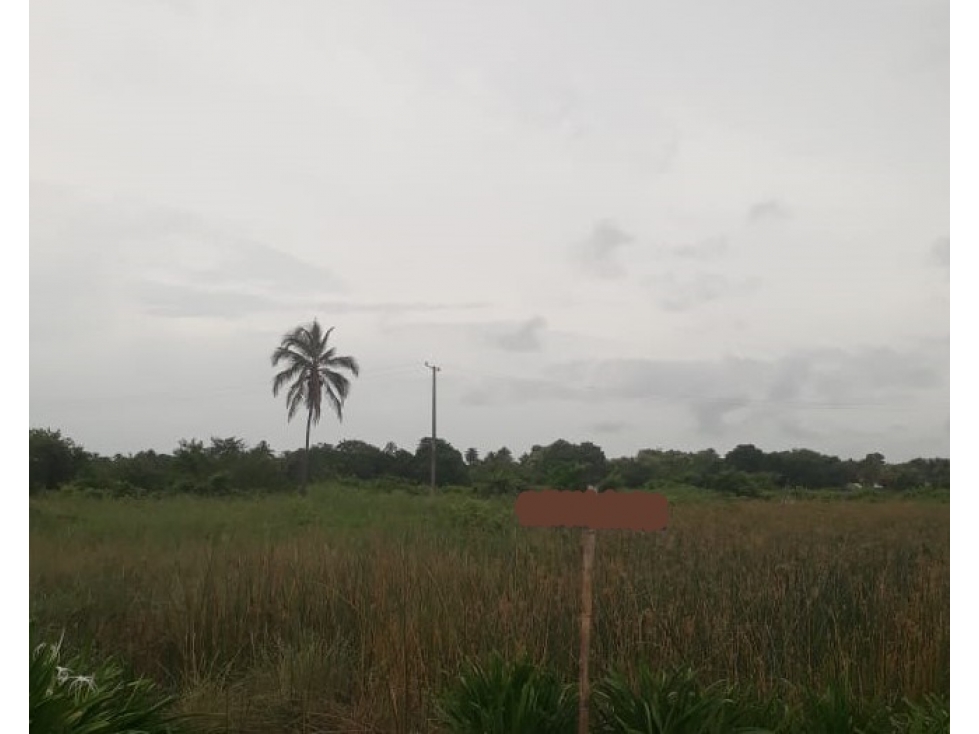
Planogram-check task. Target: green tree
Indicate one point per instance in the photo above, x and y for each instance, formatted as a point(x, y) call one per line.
point(312, 372)
point(191, 458)
point(807, 468)
point(450, 467)
point(360, 459)
point(54, 459)
point(503, 457)
point(472, 457)
point(497, 473)
point(226, 448)
point(871, 469)
point(146, 470)
point(745, 457)
point(565, 465)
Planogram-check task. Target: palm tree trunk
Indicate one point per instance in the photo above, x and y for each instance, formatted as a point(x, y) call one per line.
point(309, 424)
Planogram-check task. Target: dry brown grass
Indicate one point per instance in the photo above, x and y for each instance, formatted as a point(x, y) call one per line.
point(274, 615)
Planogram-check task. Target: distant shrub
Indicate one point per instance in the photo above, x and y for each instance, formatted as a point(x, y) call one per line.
point(219, 483)
point(472, 514)
point(737, 483)
point(457, 490)
point(497, 486)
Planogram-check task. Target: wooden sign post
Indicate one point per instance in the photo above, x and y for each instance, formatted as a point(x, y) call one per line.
point(584, 686)
point(592, 511)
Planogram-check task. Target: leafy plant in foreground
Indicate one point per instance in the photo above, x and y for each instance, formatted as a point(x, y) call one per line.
point(932, 716)
point(835, 710)
point(676, 703)
point(62, 701)
point(511, 698)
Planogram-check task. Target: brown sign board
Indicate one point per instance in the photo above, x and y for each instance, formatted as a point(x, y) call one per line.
point(609, 510)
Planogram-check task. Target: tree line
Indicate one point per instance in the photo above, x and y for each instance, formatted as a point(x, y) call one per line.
point(311, 374)
point(228, 465)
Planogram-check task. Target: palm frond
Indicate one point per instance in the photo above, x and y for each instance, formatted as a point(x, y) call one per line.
point(338, 382)
point(303, 338)
point(291, 353)
point(335, 402)
point(314, 394)
point(325, 337)
point(296, 397)
point(347, 363)
point(286, 375)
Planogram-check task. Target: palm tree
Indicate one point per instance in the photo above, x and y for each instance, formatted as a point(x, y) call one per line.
point(311, 373)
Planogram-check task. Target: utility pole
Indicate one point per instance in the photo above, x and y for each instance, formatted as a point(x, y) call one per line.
point(435, 369)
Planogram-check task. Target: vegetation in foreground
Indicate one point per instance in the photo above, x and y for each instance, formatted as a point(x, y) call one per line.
point(356, 610)
point(518, 697)
point(65, 700)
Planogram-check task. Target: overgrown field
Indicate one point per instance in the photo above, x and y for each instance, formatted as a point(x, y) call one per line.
point(348, 610)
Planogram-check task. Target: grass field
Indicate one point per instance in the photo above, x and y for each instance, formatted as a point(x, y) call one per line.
point(348, 610)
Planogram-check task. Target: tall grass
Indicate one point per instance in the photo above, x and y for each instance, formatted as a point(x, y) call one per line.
point(349, 610)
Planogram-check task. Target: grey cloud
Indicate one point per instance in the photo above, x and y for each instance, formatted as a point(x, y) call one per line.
point(770, 209)
point(875, 373)
point(706, 249)
point(202, 254)
point(133, 237)
point(597, 254)
point(180, 301)
point(398, 308)
point(711, 414)
point(795, 428)
point(610, 427)
point(940, 254)
point(179, 7)
point(724, 393)
point(96, 261)
point(247, 261)
point(693, 380)
point(525, 338)
point(791, 374)
point(505, 390)
point(678, 295)
point(616, 379)
point(186, 301)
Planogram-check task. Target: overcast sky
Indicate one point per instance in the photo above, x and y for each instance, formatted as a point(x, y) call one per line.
point(644, 224)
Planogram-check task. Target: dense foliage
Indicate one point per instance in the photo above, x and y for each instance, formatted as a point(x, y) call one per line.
point(228, 465)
